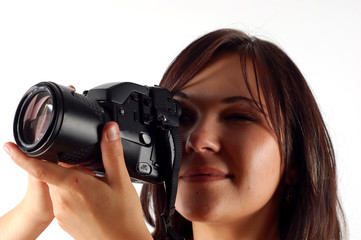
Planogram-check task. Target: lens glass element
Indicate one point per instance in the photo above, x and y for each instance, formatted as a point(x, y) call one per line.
point(37, 118)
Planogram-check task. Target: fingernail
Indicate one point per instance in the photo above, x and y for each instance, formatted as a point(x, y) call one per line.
point(7, 149)
point(113, 133)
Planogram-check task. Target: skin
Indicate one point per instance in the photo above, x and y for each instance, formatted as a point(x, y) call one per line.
point(84, 206)
point(34, 213)
point(228, 181)
point(231, 165)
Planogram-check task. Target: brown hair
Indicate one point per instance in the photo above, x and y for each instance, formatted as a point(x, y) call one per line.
point(310, 207)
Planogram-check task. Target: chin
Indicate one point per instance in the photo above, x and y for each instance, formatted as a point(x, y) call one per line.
point(200, 216)
point(202, 202)
point(198, 210)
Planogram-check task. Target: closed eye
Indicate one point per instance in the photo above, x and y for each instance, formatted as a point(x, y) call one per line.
point(186, 118)
point(241, 118)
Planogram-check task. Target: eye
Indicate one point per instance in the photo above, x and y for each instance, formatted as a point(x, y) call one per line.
point(186, 118)
point(240, 117)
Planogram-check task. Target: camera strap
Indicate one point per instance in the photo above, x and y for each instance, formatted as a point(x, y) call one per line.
point(171, 184)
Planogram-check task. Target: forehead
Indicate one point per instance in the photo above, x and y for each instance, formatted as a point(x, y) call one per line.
point(221, 78)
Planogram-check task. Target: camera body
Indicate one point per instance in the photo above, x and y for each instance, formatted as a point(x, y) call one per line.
point(55, 123)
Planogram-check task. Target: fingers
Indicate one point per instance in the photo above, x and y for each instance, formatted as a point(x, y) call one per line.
point(112, 154)
point(77, 167)
point(45, 171)
point(37, 201)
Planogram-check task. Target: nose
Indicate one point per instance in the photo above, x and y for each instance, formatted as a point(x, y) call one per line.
point(203, 137)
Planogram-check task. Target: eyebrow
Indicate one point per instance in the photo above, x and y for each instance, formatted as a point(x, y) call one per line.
point(232, 99)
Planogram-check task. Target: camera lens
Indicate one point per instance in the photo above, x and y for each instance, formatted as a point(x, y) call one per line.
point(37, 117)
point(53, 122)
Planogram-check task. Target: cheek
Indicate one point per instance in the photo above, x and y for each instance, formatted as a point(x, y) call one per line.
point(257, 162)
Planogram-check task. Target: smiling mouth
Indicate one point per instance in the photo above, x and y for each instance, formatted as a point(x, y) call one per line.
point(207, 174)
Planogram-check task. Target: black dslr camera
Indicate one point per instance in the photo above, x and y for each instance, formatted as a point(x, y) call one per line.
point(55, 123)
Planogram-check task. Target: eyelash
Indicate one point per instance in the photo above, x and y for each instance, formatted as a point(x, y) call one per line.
point(240, 117)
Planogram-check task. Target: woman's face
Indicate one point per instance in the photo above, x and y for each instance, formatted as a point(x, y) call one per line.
point(231, 163)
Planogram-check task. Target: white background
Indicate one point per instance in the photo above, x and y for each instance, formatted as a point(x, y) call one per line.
point(90, 42)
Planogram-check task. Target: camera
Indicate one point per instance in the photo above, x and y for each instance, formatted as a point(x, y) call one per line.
point(55, 123)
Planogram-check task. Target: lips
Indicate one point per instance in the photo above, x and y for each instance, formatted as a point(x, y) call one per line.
point(204, 174)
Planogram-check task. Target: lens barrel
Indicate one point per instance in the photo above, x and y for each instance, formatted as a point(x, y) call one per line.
point(53, 122)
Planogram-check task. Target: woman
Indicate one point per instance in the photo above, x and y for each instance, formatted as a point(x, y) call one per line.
point(257, 160)
point(256, 150)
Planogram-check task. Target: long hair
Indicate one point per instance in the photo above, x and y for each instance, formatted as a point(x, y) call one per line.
point(310, 207)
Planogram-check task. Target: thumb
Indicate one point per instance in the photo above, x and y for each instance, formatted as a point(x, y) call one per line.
point(112, 154)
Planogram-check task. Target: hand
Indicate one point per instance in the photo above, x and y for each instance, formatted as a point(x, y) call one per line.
point(87, 207)
point(35, 212)
point(37, 203)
